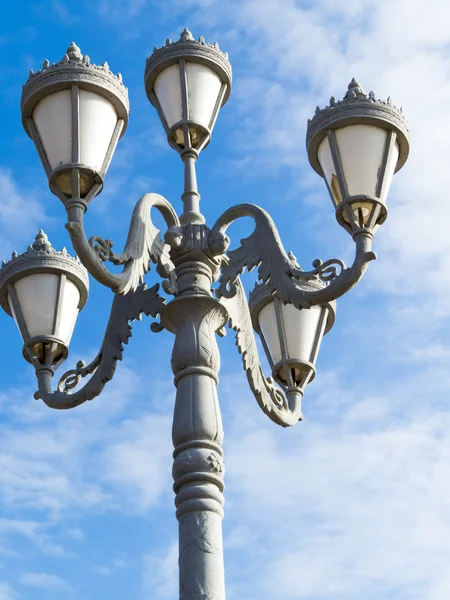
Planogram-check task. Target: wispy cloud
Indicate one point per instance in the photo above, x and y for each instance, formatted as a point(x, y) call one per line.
point(18, 206)
point(160, 573)
point(6, 592)
point(347, 507)
point(43, 580)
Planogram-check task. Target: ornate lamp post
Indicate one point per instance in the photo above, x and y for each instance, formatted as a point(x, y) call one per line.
point(75, 113)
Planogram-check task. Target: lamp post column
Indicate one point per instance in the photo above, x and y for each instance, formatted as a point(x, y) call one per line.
point(198, 469)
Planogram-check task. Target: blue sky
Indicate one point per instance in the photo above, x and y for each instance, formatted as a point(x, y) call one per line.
point(354, 501)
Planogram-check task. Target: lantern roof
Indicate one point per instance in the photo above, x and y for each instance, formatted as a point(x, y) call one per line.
point(356, 107)
point(74, 69)
point(187, 47)
point(41, 257)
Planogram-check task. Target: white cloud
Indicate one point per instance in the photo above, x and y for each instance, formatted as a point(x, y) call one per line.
point(160, 573)
point(6, 592)
point(140, 463)
point(101, 570)
point(16, 206)
point(75, 533)
point(351, 503)
point(43, 580)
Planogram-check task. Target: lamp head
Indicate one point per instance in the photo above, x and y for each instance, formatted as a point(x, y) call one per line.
point(44, 290)
point(188, 81)
point(291, 337)
point(357, 144)
point(75, 112)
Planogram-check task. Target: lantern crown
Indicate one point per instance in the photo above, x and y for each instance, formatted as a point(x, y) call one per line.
point(187, 47)
point(73, 68)
point(41, 256)
point(356, 107)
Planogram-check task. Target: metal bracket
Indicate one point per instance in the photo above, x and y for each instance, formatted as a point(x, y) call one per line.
point(144, 245)
point(282, 407)
point(263, 249)
point(125, 308)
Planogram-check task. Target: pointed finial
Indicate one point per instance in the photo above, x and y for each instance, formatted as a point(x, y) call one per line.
point(74, 53)
point(105, 66)
point(168, 42)
point(355, 90)
point(119, 77)
point(201, 39)
point(41, 243)
point(14, 254)
point(86, 60)
point(372, 96)
point(31, 73)
point(332, 101)
point(317, 110)
point(46, 64)
point(186, 36)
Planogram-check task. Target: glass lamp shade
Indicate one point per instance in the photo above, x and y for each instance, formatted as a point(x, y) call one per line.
point(303, 327)
point(75, 112)
point(362, 150)
point(48, 303)
point(92, 135)
point(203, 87)
point(291, 337)
point(44, 290)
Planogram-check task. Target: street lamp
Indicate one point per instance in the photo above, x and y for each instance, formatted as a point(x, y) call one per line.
point(75, 113)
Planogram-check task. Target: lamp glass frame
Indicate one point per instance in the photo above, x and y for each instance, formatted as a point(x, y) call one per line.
point(186, 125)
point(291, 371)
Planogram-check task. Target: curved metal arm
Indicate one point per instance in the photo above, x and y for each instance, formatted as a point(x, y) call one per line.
point(125, 308)
point(264, 249)
point(283, 409)
point(143, 245)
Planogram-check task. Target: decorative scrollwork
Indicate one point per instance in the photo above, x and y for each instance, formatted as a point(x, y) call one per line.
point(328, 270)
point(101, 247)
point(263, 249)
point(144, 245)
point(125, 308)
point(72, 378)
point(285, 410)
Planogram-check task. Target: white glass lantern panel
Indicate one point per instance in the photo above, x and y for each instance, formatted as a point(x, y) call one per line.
point(329, 170)
point(361, 148)
point(203, 90)
point(303, 331)
point(53, 120)
point(68, 312)
point(13, 312)
point(168, 91)
point(37, 296)
point(389, 173)
point(98, 118)
point(268, 324)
